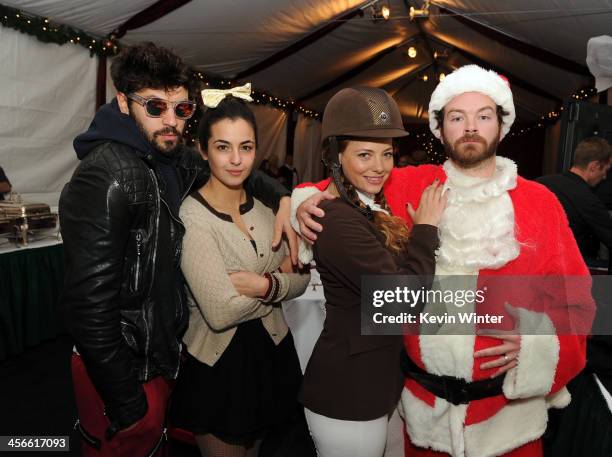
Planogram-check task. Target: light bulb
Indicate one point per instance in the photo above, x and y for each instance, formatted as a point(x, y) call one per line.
point(385, 12)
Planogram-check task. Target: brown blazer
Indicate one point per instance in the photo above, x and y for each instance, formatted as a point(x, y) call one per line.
point(350, 376)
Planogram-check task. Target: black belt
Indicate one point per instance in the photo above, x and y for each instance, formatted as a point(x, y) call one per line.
point(454, 390)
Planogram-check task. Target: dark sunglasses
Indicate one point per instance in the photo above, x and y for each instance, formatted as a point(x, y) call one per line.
point(156, 107)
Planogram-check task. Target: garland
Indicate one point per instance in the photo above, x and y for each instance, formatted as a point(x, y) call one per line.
point(259, 97)
point(44, 30)
point(48, 32)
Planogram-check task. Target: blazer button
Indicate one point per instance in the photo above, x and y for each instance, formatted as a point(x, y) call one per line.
point(251, 228)
point(261, 255)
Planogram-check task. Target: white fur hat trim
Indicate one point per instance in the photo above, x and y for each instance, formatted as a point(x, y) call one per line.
point(472, 78)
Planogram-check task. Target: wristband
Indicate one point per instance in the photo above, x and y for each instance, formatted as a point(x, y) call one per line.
point(268, 276)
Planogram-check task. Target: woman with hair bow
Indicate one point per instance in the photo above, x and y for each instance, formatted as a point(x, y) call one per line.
point(241, 375)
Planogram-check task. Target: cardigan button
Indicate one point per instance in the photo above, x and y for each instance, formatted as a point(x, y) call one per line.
point(261, 255)
point(251, 228)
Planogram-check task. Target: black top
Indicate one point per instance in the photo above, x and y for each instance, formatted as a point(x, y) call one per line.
point(587, 215)
point(604, 191)
point(166, 169)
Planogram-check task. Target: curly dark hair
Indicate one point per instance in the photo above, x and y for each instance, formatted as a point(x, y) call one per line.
point(147, 66)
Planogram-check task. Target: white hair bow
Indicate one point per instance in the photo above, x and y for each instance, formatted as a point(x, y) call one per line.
point(212, 97)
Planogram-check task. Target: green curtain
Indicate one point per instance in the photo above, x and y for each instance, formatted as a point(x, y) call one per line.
point(30, 285)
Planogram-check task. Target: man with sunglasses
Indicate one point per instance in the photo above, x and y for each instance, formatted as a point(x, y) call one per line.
point(123, 297)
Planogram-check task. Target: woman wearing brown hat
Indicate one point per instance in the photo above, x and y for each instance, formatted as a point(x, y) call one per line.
point(353, 382)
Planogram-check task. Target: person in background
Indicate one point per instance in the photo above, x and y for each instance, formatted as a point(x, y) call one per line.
point(604, 191)
point(241, 377)
point(413, 158)
point(123, 300)
point(288, 174)
point(582, 427)
point(588, 217)
point(5, 184)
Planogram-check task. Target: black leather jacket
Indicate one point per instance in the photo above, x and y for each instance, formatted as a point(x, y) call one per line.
point(122, 301)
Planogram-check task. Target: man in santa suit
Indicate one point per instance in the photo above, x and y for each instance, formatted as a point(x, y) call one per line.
point(479, 394)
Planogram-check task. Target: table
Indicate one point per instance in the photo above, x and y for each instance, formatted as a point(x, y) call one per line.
point(305, 316)
point(31, 280)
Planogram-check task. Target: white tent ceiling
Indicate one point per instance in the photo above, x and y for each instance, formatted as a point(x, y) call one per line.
point(95, 17)
point(539, 44)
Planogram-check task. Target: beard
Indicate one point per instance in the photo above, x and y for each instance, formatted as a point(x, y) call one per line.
point(470, 155)
point(168, 148)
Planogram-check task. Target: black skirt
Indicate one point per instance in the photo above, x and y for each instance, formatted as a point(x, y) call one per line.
point(252, 388)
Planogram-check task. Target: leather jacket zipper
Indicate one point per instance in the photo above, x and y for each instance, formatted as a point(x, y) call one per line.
point(170, 212)
point(177, 322)
point(152, 279)
point(138, 259)
point(188, 188)
point(178, 221)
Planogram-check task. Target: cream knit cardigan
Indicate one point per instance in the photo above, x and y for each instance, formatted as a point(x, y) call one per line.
point(213, 246)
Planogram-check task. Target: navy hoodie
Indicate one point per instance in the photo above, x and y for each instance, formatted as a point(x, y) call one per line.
point(110, 124)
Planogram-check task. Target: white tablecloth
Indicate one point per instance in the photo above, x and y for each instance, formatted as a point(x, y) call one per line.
point(305, 316)
point(9, 246)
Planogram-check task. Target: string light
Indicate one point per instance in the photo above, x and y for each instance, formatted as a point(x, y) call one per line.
point(385, 12)
point(553, 116)
point(41, 28)
point(435, 151)
point(259, 98)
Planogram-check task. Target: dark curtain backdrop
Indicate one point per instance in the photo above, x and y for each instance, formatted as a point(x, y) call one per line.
point(526, 149)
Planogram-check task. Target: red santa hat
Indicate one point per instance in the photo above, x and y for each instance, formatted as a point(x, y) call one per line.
point(472, 78)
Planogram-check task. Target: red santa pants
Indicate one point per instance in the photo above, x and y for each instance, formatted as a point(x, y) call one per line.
point(146, 439)
point(533, 449)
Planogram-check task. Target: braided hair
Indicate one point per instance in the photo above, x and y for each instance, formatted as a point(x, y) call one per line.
point(393, 228)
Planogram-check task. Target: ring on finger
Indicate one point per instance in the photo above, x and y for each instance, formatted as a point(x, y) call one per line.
point(506, 358)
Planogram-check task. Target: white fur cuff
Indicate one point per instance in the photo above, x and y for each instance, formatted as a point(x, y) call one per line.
point(538, 357)
point(298, 196)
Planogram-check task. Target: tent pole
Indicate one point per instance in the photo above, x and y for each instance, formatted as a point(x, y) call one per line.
point(101, 82)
